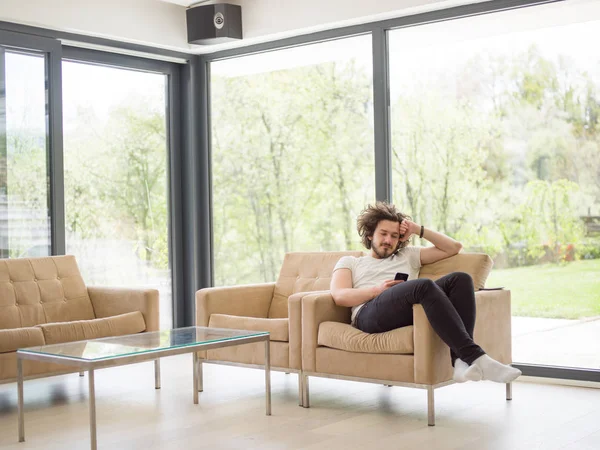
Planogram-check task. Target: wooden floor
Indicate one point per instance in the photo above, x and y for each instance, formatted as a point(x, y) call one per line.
point(346, 415)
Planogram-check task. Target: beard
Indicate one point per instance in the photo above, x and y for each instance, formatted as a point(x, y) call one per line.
point(382, 251)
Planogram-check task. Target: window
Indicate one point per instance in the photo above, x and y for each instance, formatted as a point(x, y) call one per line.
point(116, 182)
point(24, 211)
point(496, 142)
point(292, 154)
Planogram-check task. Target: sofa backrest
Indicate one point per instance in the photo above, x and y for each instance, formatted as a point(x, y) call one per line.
point(303, 272)
point(42, 290)
point(478, 265)
point(311, 271)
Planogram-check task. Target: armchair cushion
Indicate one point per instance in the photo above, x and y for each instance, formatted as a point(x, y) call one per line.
point(478, 265)
point(345, 337)
point(129, 323)
point(278, 328)
point(16, 338)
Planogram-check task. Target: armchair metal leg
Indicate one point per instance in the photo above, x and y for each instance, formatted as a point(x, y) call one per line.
point(300, 390)
point(430, 407)
point(508, 391)
point(305, 393)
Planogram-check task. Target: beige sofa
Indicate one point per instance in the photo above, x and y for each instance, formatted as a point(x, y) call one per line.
point(273, 307)
point(412, 356)
point(45, 301)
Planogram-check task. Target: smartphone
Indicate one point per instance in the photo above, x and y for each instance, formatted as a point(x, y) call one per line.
point(401, 276)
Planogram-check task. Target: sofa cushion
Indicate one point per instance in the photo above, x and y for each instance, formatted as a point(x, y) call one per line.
point(16, 338)
point(278, 328)
point(303, 272)
point(478, 265)
point(129, 323)
point(42, 290)
point(345, 337)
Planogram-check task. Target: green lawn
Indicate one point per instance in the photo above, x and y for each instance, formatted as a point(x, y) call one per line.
point(567, 291)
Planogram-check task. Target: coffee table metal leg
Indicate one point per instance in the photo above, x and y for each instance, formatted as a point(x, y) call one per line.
point(20, 399)
point(92, 400)
point(157, 373)
point(200, 376)
point(268, 375)
point(195, 378)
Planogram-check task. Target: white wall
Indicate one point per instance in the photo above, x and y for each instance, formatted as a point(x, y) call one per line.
point(149, 22)
point(161, 23)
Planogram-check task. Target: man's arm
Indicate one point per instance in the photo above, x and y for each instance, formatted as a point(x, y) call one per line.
point(345, 295)
point(444, 246)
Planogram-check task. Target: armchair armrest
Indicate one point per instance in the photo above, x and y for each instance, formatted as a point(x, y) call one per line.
point(295, 324)
point(432, 355)
point(111, 301)
point(316, 309)
point(251, 300)
point(493, 331)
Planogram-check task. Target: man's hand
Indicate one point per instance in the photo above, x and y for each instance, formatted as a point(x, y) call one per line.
point(386, 285)
point(407, 229)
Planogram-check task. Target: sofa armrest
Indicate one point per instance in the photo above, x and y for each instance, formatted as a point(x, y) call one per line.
point(432, 355)
point(316, 309)
point(493, 331)
point(110, 301)
point(248, 301)
point(295, 324)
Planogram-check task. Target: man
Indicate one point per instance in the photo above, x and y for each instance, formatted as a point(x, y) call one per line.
point(380, 303)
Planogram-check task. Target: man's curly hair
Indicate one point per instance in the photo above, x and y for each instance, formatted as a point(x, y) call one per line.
point(373, 214)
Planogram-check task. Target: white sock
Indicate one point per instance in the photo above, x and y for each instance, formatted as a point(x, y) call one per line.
point(463, 372)
point(495, 371)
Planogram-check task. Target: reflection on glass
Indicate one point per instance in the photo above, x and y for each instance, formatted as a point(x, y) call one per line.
point(116, 346)
point(24, 213)
point(115, 156)
point(292, 149)
point(496, 142)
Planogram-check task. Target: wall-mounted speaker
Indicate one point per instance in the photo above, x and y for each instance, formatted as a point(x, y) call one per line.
point(214, 24)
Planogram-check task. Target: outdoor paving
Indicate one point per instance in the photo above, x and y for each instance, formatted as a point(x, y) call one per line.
point(557, 342)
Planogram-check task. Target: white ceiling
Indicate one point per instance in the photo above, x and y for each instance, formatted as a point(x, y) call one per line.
point(187, 3)
point(162, 23)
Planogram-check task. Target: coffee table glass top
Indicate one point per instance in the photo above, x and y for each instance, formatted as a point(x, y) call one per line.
point(118, 346)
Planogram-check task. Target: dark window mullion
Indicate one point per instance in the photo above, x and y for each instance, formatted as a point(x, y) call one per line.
point(54, 147)
point(4, 226)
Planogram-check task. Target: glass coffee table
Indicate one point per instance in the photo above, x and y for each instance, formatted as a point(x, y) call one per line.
point(120, 350)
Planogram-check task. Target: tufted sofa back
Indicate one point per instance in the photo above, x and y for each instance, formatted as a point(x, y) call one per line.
point(311, 271)
point(42, 290)
point(303, 272)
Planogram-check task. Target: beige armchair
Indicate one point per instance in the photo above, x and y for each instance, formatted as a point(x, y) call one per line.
point(273, 307)
point(412, 356)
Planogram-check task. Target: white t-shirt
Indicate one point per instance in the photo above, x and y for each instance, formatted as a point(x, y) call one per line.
point(368, 271)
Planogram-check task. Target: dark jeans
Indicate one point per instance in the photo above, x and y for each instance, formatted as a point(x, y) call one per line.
point(449, 304)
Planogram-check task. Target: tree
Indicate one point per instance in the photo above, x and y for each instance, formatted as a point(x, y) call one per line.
point(291, 149)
